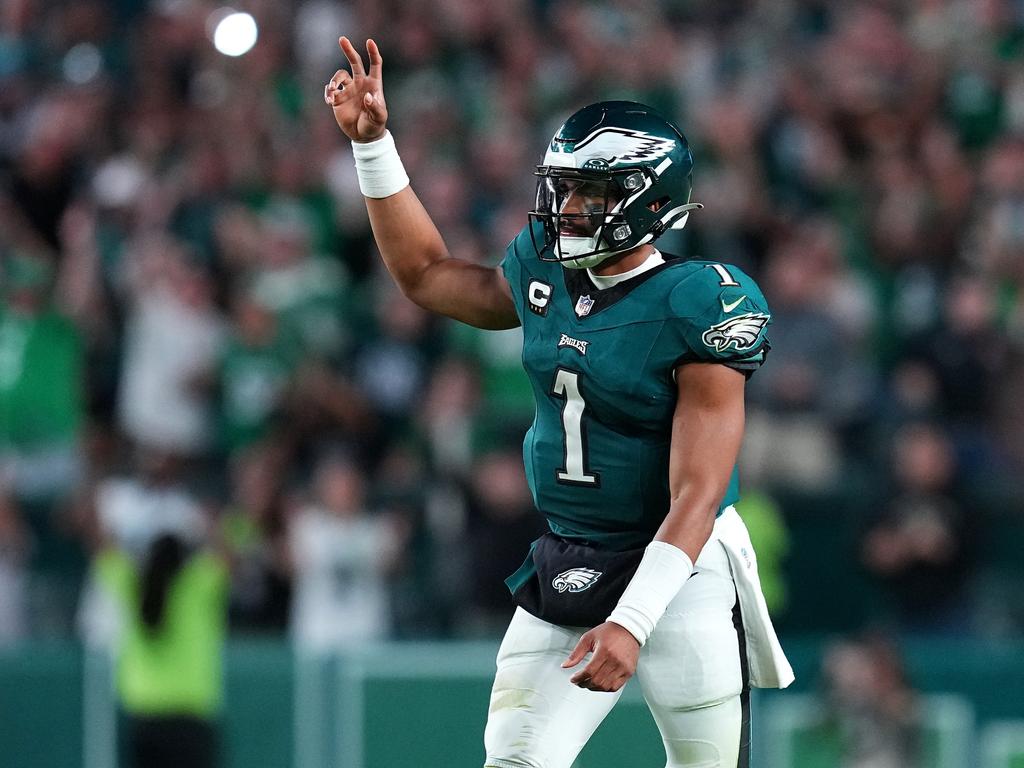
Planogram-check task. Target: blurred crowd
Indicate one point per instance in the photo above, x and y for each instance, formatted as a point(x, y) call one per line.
point(196, 335)
point(869, 714)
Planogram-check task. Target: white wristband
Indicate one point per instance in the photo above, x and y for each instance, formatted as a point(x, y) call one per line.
point(379, 168)
point(662, 572)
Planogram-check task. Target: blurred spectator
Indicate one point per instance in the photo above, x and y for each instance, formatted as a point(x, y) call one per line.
point(169, 661)
point(305, 291)
point(792, 437)
point(342, 554)
point(41, 403)
point(449, 418)
point(921, 549)
point(173, 341)
point(498, 355)
point(967, 355)
point(257, 370)
point(131, 510)
point(871, 717)
point(391, 365)
point(429, 517)
point(42, 415)
point(502, 525)
point(255, 537)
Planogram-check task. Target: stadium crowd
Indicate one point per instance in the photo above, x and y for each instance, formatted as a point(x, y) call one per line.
point(196, 334)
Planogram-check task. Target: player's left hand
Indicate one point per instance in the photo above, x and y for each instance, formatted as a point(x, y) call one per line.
point(615, 652)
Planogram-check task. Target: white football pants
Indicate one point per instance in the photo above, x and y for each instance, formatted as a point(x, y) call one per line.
point(690, 673)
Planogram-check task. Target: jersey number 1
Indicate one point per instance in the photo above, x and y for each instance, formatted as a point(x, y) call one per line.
point(727, 278)
point(567, 386)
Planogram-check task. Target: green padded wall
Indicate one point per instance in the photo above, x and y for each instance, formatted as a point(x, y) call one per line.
point(425, 701)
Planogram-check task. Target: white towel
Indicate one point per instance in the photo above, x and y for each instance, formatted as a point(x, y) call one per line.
point(767, 662)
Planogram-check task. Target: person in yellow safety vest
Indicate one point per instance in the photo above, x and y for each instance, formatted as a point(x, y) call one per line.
point(169, 665)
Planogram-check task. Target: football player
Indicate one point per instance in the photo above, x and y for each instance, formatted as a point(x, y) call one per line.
point(638, 361)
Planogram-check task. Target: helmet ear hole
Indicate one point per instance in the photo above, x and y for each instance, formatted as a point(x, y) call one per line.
point(658, 204)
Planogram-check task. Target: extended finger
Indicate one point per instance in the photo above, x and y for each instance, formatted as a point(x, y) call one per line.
point(354, 59)
point(334, 89)
point(376, 61)
point(583, 647)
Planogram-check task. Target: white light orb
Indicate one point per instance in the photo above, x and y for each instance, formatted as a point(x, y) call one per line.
point(82, 63)
point(235, 33)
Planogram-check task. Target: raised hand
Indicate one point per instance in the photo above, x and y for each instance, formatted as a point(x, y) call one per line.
point(358, 98)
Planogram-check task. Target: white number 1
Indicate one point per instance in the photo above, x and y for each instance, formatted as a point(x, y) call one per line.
point(574, 472)
point(723, 273)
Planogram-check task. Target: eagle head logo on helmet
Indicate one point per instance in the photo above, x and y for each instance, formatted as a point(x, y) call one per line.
point(616, 176)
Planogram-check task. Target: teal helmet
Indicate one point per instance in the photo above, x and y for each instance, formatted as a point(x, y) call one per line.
point(615, 176)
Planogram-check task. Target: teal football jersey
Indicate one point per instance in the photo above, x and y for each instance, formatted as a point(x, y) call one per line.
point(601, 364)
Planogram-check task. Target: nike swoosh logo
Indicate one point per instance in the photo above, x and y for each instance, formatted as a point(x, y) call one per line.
point(731, 307)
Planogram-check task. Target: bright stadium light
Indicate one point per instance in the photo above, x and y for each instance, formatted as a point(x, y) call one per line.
point(235, 32)
point(82, 63)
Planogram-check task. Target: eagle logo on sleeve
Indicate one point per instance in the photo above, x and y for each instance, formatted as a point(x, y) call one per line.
point(575, 580)
point(739, 333)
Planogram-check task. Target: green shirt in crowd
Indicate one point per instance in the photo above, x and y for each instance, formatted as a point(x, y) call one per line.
point(255, 380)
point(41, 401)
point(178, 669)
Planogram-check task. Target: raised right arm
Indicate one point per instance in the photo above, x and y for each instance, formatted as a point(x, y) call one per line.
point(418, 260)
point(412, 248)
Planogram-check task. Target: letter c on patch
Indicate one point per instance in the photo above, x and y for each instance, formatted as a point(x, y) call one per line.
point(538, 295)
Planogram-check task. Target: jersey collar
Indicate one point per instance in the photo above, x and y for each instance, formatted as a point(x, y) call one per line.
point(603, 282)
point(578, 284)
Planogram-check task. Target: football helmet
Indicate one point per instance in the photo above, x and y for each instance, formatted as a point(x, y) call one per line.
point(615, 176)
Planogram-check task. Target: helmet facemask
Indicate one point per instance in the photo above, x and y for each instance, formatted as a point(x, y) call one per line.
point(588, 216)
point(579, 212)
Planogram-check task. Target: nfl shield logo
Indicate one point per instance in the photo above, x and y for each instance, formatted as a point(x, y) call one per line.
point(584, 305)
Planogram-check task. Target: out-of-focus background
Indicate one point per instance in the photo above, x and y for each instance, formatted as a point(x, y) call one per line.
point(208, 383)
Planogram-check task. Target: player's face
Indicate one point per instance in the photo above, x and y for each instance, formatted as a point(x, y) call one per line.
point(575, 209)
point(581, 205)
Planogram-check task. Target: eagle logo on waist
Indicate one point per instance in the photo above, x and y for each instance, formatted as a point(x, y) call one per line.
point(575, 580)
point(739, 333)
